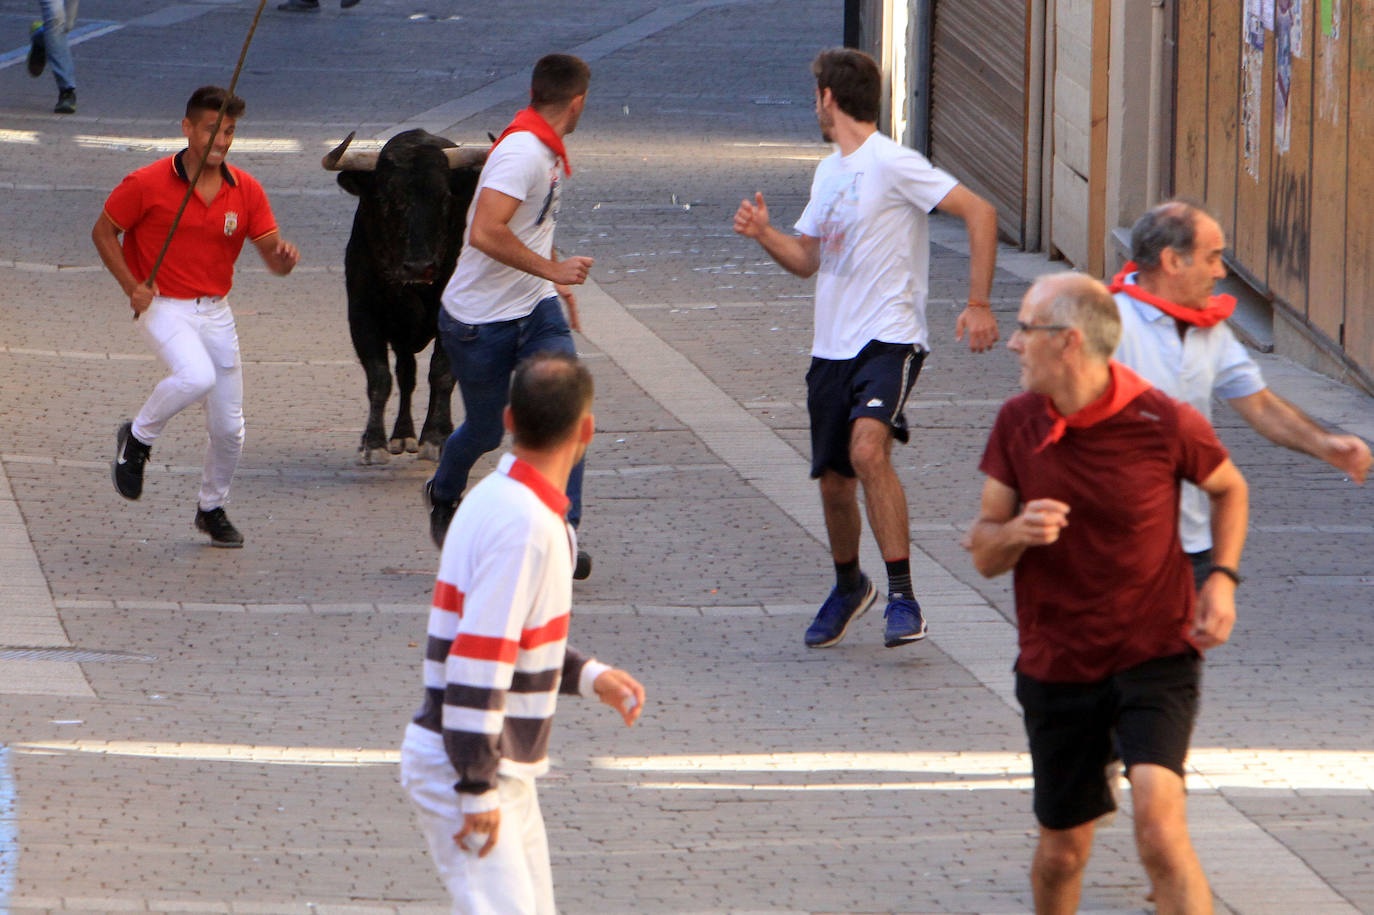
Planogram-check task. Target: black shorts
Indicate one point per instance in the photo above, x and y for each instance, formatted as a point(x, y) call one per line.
point(1141, 715)
point(874, 383)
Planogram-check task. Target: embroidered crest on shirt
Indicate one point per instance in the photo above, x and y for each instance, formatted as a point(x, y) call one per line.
point(231, 222)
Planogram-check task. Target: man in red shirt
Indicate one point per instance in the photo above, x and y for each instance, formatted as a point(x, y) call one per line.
point(1081, 501)
point(184, 312)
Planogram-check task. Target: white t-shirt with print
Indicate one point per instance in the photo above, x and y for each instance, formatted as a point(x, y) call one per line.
point(483, 290)
point(870, 211)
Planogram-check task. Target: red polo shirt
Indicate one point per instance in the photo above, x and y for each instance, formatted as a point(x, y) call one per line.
point(1115, 590)
point(208, 239)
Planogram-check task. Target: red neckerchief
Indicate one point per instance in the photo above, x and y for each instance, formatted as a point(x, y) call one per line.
point(1123, 386)
point(533, 121)
point(1218, 309)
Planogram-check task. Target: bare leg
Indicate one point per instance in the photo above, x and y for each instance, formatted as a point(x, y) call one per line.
point(839, 500)
point(870, 451)
point(1057, 871)
point(1161, 836)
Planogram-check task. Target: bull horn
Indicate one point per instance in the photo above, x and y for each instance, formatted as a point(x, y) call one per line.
point(465, 157)
point(336, 160)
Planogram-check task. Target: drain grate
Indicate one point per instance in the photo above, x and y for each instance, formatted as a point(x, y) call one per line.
point(79, 655)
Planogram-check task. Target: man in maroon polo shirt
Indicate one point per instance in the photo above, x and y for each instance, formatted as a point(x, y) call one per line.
point(1081, 501)
point(184, 311)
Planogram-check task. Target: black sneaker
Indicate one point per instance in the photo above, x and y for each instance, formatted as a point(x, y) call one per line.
point(440, 514)
point(221, 530)
point(38, 50)
point(66, 102)
point(127, 468)
point(583, 570)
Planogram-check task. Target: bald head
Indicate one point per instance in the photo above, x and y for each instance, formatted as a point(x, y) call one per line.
point(1079, 301)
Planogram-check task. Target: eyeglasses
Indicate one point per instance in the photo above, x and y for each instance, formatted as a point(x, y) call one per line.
point(1024, 328)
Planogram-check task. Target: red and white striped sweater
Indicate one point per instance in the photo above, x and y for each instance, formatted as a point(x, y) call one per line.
point(497, 654)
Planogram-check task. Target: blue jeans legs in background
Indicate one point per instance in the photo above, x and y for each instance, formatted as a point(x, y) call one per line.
point(59, 18)
point(482, 358)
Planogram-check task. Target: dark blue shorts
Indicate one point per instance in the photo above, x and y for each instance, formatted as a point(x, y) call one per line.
point(874, 383)
point(1141, 715)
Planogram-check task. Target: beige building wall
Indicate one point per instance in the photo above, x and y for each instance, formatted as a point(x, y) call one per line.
point(1072, 127)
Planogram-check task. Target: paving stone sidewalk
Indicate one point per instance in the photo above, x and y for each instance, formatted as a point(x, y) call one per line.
point(215, 731)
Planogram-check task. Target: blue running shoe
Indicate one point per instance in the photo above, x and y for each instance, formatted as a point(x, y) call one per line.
point(838, 611)
point(904, 622)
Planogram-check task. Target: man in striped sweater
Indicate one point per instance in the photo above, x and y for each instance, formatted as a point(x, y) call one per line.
point(497, 655)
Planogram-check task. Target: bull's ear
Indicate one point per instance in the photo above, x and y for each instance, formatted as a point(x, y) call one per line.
point(356, 183)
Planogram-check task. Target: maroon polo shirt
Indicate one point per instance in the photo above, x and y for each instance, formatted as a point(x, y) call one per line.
point(1115, 590)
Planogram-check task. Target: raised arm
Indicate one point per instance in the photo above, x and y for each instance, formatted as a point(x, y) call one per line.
point(1284, 424)
point(980, 219)
point(1000, 535)
point(797, 254)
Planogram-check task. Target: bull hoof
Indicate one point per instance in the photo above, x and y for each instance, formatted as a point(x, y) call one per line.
point(429, 452)
point(394, 446)
point(411, 445)
point(373, 456)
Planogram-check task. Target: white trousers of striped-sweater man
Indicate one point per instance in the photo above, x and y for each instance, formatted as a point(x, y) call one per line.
point(516, 878)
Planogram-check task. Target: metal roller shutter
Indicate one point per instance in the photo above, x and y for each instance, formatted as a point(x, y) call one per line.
point(978, 101)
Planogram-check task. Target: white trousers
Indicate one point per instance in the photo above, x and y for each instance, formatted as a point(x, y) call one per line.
point(197, 340)
point(515, 878)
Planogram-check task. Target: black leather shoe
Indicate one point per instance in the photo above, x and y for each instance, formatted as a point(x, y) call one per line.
point(347, 4)
point(440, 514)
point(300, 6)
point(583, 570)
point(221, 530)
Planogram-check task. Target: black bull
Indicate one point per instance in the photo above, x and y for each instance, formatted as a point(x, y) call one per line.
point(413, 200)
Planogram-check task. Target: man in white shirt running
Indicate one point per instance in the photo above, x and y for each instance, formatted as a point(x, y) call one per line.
point(501, 304)
point(866, 231)
point(1174, 335)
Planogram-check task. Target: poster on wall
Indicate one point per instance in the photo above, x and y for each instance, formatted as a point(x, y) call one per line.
point(1287, 45)
point(1254, 24)
point(1252, 85)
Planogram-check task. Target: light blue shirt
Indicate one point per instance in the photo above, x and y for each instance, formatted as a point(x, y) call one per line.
point(1206, 361)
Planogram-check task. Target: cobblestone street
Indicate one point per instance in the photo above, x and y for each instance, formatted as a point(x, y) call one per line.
point(216, 731)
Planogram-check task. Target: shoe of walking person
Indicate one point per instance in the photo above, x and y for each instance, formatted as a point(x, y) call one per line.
point(300, 6)
point(347, 4)
point(905, 624)
point(839, 610)
point(221, 530)
point(66, 102)
point(441, 512)
point(127, 467)
point(583, 569)
point(38, 50)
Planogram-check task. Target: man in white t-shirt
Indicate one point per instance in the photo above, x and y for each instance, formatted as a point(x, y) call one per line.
point(501, 304)
point(1174, 335)
point(866, 231)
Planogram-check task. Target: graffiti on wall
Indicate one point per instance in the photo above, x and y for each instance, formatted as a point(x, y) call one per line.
point(1290, 221)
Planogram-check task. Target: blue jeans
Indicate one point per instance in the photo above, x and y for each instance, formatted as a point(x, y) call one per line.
point(59, 18)
point(482, 358)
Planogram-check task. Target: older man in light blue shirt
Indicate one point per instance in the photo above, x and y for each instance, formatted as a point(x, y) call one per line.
point(1175, 336)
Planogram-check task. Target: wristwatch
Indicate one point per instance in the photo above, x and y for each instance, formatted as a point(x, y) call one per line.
point(1227, 571)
